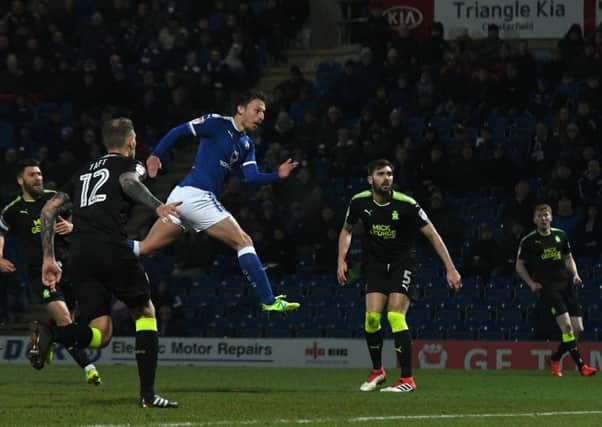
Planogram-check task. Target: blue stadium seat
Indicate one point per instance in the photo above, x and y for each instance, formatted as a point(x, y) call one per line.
point(448, 315)
point(419, 315)
point(497, 294)
point(437, 292)
point(591, 334)
point(219, 327)
point(433, 330)
point(524, 295)
point(511, 316)
point(314, 331)
point(249, 327)
point(479, 315)
point(491, 335)
point(460, 331)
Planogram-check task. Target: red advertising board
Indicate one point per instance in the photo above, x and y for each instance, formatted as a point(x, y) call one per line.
point(470, 355)
point(414, 14)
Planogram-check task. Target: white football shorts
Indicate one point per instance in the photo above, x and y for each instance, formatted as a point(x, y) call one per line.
point(199, 210)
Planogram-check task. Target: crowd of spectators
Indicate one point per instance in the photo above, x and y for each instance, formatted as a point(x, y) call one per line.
point(478, 129)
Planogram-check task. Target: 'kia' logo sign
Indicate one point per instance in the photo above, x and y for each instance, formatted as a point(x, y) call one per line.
point(403, 15)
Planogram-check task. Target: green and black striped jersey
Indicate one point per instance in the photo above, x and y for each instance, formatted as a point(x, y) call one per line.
point(390, 229)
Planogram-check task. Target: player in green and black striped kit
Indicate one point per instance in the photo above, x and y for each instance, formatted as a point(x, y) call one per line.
point(391, 222)
point(543, 260)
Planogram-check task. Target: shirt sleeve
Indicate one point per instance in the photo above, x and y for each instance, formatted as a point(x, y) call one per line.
point(203, 126)
point(250, 170)
point(5, 220)
point(522, 252)
point(206, 125)
point(353, 212)
point(565, 249)
point(421, 218)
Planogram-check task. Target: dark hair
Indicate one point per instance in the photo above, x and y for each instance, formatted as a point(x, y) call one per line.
point(26, 163)
point(245, 97)
point(115, 131)
point(379, 164)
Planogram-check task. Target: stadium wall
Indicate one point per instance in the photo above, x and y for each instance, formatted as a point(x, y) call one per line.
point(314, 353)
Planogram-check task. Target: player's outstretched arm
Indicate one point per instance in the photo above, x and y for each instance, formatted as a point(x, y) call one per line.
point(51, 272)
point(153, 163)
point(137, 191)
point(285, 169)
point(454, 280)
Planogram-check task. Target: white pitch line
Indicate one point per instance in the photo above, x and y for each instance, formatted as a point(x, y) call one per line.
point(360, 419)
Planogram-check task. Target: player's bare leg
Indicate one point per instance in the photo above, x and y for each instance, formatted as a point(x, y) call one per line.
point(375, 305)
point(162, 233)
point(229, 232)
point(397, 307)
point(577, 324)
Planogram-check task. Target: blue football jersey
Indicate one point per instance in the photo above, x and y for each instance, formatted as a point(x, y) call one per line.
point(222, 149)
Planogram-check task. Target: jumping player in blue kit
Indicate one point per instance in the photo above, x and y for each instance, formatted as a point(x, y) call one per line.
point(224, 147)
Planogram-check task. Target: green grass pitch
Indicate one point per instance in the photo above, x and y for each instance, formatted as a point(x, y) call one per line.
point(58, 395)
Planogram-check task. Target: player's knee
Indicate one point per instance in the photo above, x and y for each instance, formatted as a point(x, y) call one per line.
point(372, 323)
point(578, 329)
point(397, 321)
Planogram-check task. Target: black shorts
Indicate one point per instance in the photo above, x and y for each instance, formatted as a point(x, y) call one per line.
point(389, 278)
point(99, 272)
point(561, 298)
point(63, 291)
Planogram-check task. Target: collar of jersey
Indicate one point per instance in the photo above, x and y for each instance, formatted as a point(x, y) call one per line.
point(234, 125)
point(381, 204)
point(544, 234)
point(32, 200)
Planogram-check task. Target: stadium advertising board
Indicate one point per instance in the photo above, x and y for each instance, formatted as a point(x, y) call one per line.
point(327, 353)
point(416, 15)
point(526, 19)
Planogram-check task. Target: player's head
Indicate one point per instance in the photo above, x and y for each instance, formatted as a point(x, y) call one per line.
point(542, 216)
point(29, 177)
point(250, 110)
point(380, 176)
point(118, 135)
